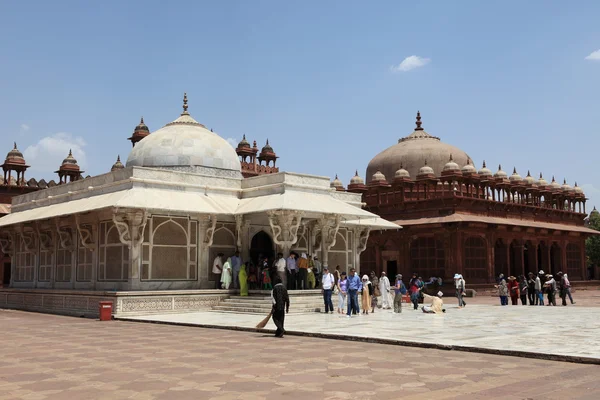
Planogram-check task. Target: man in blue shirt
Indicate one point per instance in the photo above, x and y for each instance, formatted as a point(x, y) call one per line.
point(236, 266)
point(354, 286)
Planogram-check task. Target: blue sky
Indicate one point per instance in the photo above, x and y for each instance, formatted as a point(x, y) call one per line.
point(506, 81)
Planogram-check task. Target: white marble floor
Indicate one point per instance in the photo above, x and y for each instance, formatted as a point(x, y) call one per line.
point(562, 331)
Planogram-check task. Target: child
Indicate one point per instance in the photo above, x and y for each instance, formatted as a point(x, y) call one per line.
point(266, 280)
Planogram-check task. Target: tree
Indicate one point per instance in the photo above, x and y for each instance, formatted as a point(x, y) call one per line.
point(592, 244)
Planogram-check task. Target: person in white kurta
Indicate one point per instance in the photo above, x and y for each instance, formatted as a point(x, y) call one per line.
point(384, 288)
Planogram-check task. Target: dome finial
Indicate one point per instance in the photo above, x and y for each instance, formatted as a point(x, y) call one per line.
point(142, 120)
point(356, 173)
point(185, 104)
point(418, 128)
point(514, 170)
point(484, 164)
point(118, 157)
point(70, 153)
point(451, 157)
point(267, 141)
point(15, 143)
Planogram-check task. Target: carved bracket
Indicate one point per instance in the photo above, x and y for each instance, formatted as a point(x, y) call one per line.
point(7, 244)
point(210, 230)
point(284, 226)
point(27, 240)
point(362, 236)
point(46, 238)
point(330, 226)
point(130, 225)
point(86, 234)
point(65, 239)
point(241, 225)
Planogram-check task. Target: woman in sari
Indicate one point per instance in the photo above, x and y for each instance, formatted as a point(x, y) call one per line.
point(226, 274)
point(243, 275)
point(367, 292)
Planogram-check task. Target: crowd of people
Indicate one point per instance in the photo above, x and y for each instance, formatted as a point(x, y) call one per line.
point(297, 271)
point(533, 287)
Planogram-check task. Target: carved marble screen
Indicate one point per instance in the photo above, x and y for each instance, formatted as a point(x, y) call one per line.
point(169, 251)
point(24, 261)
point(46, 263)
point(113, 257)
point(85, 258)
point(223, 242)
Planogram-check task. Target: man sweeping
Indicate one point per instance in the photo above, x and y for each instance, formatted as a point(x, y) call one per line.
point(281, 306)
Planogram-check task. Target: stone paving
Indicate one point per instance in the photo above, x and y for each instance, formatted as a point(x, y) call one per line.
point(48, 357)
point(565, 333)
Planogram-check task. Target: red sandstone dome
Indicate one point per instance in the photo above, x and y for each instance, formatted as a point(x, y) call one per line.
point(412, 151)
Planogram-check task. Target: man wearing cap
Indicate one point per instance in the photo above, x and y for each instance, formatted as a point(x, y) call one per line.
point(538, 287)
point(327, 282)
point(437, 304)
point(399, 291)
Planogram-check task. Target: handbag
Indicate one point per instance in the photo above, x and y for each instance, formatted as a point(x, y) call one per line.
point(377, 292)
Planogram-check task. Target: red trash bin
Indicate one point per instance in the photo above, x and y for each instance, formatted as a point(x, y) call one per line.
point(105, 310)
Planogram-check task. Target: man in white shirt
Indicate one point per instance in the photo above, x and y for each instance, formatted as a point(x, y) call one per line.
point(328, 282)
point(217, 269)
point(292, 271)
point(280, 264)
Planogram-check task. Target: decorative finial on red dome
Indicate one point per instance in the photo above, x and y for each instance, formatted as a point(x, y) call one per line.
point(418, 128)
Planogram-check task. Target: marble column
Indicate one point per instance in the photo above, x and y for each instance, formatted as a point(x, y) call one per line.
point(328, 225)
point(206, 230)
point(360, 236)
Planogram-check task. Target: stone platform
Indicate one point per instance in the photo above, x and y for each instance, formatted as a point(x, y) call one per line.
point(84, 303)
point(558, 333)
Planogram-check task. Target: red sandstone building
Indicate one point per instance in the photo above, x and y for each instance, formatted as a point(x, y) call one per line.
point(14, 184)
point(457, 219)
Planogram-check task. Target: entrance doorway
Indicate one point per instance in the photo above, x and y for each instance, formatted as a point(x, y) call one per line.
point(392, 270)
point(261, 245)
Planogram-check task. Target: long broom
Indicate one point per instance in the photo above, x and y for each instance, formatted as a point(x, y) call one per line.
point(265, 321)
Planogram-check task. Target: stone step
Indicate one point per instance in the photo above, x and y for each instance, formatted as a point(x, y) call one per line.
point(294, 301)
point(262, 311)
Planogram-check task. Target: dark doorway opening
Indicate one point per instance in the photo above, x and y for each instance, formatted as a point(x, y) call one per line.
point(261, 246)
point(500, 258)
point(392, 270)
point(6, 275)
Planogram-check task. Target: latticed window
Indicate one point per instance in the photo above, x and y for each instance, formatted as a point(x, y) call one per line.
point(46, 262)
point(169, 251)
point(63, 265)
point(475, 259)
point(113, 262)
point(25, 262)
point(427, 257)
point(574, 261)
point(85, 258)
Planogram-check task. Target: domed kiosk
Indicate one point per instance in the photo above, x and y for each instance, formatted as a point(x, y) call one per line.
point(412, 151)
point(186, 145)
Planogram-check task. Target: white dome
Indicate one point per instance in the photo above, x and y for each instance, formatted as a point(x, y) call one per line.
point(186, 144)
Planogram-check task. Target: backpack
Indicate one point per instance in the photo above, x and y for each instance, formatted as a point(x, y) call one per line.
point(402, 288)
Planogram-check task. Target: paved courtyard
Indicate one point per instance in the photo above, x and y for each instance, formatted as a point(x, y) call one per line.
point(54, 357)
point(567, 333)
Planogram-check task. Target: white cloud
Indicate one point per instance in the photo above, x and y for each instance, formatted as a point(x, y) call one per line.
point(48, 153)
point(594, 55)
point(409, 63)
point(233, 142)
point(24, 127)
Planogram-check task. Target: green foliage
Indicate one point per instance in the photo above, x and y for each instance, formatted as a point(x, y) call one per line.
point(592, 244)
